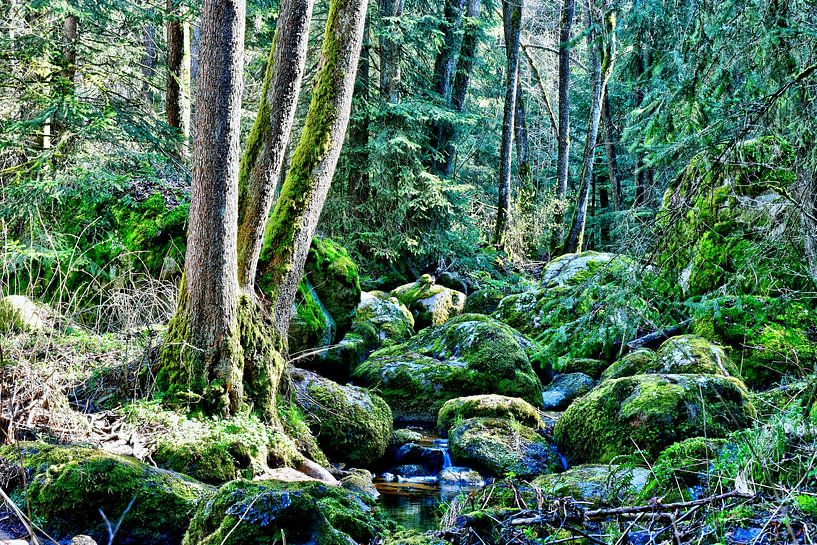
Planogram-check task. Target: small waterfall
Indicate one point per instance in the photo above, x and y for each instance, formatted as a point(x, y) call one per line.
point(446, 458)
point(442, 445)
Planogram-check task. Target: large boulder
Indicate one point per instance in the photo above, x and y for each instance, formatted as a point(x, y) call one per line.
point(484, 301)
point(19, 314)
point(500, 446)
point(487, 405)
point(350, 423)
point(67, 487)
point(336, 280)
point(650, 412)
point(470, 354)
point(684, 354)
point(430, 303)
point(311, 326)
point(596, 484)
point(574, 268)
point(273, 512)
point(564, 389)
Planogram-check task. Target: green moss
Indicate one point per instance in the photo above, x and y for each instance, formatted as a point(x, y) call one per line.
point(411, 537)
point(652, 412)
point(470, 354)
point(684, 354)
point(681, 466)
point(483, 301)
point(492, 406)
point(269, 512)
point(634, 363)
point(311, 326)
point(595, 484)
point(336, 280)
point(67, 486)
point(430, 303)
point(501, 446)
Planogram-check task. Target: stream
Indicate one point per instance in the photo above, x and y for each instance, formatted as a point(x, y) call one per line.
point(414, 494)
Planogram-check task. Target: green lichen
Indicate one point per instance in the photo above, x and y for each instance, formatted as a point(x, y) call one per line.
point(650, 412)
point(67, 486)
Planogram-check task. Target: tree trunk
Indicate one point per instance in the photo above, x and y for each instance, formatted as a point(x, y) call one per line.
point(177, 104)
point(269, 138)
point(600, 59)
point(520, 126)
point(295, 217)
point(512, 24)
point(391, 49)
point(542, 90)
point(462, 78)
point(640, 166)
point(563, 147)
point(149, 59)
point(610, 150)
point(359, 129)
point(445, 67)
point(202, 355)
point(70, 34)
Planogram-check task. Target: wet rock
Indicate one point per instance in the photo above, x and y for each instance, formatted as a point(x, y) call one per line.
point(412, 470)
point(413, 454)
point(360, 481)
point(460, 476)
point(564, 389)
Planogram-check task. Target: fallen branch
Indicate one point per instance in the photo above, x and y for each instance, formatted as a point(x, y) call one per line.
point(657, 337)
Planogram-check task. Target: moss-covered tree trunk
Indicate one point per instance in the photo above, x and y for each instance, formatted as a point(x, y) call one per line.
point(177, 102)
point(563, 145)
point(296, 213)
point(202, 356)
point(520, 129)
point(610, 150)
point(512, 24)
point(266, 145)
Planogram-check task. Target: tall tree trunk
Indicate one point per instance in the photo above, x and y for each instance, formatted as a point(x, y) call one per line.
point(269, 138)
point(601, 55)
point(445, 67)
point(178, 69)
point(202, 355)
point(462, 78)
point(149, 59)
point(391, 51)
point(610, 150)
point(67, 77)
point(295, 217)
point(520, 127)
point(512, 25)
point(563, 147)
point(641, 169)
point(542, 90)
point(359, 129)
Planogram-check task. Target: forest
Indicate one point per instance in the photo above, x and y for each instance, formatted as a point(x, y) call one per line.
point(408, 272)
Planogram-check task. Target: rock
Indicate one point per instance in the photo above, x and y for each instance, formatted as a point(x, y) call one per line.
point(267, 512)
point(596, 484)
point(453, 280)
point(67, 486)
point(350, 423)
point(499, 446)
point(336, 280)
point(360, 481)
point(82, 540)
point(460, 476)
point(573, 268)
point(317, 471)
point(488, 405)
point(414, 454)
point(288, 475)
point(650, 412)
point(19, 314)
point(682, 466)
point(564, 389)
point(470, 354)
point(411, 470)
point(430, 303)
point(684, 354)
point(404, 435)
point(311, 327)
point(634, 363)
point(483, 301)
point(778, 400)
point(591, 367)
point(380, 320)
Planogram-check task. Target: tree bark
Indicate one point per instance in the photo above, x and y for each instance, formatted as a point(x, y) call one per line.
point(149, 59)
point(269, 137)
point(70, 35)
point(520, 127)
point(610, 150)
point(177, 102)
point(202, 356)
point(462, 78)
point(563, 147)
point(643, 174)
point(359, 129)
point(512, 25)
point(295, 217)
point(391, 51)
point(600, 59)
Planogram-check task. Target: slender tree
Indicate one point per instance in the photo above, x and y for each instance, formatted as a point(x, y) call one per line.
point(563, 147)
point(512, 25)
point(601, 55)
point(610, 141)
point(266, 145)
point(358, 183)
point(520, 127)
point(391, 51)
point(295, 216)
point(177, 102)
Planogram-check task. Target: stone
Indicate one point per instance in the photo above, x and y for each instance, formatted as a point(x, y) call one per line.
point(560, 393)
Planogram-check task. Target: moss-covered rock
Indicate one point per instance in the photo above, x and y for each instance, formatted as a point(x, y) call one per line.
point(769, 338)
point(489, 405)
point(596, 484)
point(574, 268)
point(650, 412)
point(336, 280)
point(682, 466)
point(412, 537)
point(311, 326)
point(19, 314)
point(430, 303)
point(726, 221)
point(684, 354)
point(780, 399)
point(564, 389)
point(500, 446)
point(350, 423)
point(67, 486)
point(470, 354)
point(271, 512)
point(484, 301)
point(591, 367)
